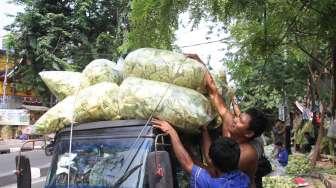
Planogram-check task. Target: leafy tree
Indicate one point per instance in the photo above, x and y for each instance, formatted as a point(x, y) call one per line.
point(66, 35)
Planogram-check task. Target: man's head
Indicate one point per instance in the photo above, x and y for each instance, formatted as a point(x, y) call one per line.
point(279, 144)
point(250, 124)
point(225, 153)
point(306, 134)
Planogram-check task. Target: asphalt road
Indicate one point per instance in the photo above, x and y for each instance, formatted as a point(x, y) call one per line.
point(37, 159)
point(36, 183)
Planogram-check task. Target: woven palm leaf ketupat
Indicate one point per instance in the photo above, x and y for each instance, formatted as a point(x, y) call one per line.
point(165, 66)
point(101, 70)
point(182, 107)
point(63, 83)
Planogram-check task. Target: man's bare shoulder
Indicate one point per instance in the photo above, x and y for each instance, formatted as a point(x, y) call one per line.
point(248, 152)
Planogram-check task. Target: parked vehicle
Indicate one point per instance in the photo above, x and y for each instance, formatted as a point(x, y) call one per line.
point(123, 153)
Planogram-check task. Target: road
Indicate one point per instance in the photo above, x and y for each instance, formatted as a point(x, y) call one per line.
point(37, 159)
point(36, 183)
point(7, 163)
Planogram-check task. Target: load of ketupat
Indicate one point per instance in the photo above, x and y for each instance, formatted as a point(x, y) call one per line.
point(89, 105)
point(138, 98)
point(101, 70)
point(98, 102)
point(165, 66)
point(182, 107)
point(56, 118)
point(63, 83)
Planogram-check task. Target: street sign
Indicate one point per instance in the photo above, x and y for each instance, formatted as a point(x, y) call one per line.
point(14, 117)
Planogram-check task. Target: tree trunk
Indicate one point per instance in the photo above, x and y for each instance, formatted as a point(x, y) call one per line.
point(317, 148)
point(333, 106)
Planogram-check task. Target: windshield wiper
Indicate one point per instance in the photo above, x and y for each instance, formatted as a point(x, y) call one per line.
point(125, 176)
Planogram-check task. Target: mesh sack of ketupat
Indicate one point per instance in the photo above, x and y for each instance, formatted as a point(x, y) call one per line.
point(94, 103)
point(165, 66)
point(101, 70)
point(97, 103)
point(63, 83)
point(56, 117)
point(182, 107)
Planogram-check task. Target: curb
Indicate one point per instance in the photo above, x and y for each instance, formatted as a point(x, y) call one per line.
point(17, 149)
point(36, 172)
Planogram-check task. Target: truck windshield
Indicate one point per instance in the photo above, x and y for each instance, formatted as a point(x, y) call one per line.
point(99, 162)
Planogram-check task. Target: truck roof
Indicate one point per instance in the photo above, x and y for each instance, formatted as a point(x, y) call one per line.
point(129, 128)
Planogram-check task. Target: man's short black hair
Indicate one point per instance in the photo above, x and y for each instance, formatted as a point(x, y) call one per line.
point(258, 121)
point(225, 153)
point(279, 143)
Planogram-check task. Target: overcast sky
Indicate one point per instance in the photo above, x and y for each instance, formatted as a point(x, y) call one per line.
point(185, 36)
point(7, 8)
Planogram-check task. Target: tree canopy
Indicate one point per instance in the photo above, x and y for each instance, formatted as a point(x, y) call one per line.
point(66, 35)
point(281, 45)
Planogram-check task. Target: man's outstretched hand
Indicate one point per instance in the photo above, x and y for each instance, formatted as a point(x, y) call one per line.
point(163, 126)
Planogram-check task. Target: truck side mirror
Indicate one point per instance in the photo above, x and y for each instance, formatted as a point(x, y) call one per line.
point(159, 170)
point(23, 172)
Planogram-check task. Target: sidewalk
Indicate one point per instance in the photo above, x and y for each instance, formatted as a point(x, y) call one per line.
point(14, 145)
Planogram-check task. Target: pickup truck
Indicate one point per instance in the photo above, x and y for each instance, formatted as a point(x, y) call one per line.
point(123, 153)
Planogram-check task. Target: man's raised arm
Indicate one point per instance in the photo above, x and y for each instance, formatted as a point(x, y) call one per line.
point(216, 98)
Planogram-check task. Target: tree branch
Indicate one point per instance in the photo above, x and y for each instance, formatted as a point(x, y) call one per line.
point(306, 52)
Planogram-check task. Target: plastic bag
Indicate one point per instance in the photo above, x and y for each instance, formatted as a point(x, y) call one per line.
point(56, 117)
point(182, 107)
point(63, 83)
point(332, 129)
point(165, 66)
point(101, 70)
point(97, 102)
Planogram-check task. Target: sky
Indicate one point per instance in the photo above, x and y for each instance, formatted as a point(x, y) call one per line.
point(7, 8)
point(185, 35)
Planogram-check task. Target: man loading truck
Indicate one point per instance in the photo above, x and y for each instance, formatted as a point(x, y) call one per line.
point(241, 127)
point(224, 154)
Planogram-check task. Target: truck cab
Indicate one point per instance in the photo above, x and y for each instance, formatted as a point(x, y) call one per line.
point(123, 153)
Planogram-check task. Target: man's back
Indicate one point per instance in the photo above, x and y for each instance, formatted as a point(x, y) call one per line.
point(200, 178)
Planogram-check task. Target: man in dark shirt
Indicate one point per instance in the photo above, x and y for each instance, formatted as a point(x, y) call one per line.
point(224, 154)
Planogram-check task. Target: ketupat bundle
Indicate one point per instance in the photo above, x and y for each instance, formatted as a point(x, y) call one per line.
point(63, 83)
point(298, 164)
point(101, 70)
point(98, 102)
point(55, 118)
point(165, 66)
point(183, 107)
point(277, 181)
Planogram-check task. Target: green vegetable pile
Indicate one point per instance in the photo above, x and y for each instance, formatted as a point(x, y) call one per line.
point(168, 83)
point(165, 66)
point(182, 107)
point(97, 102)
point(56, 118)
point(63, 83)
point(101, 70)
point(277, 181)
point(298, 164)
